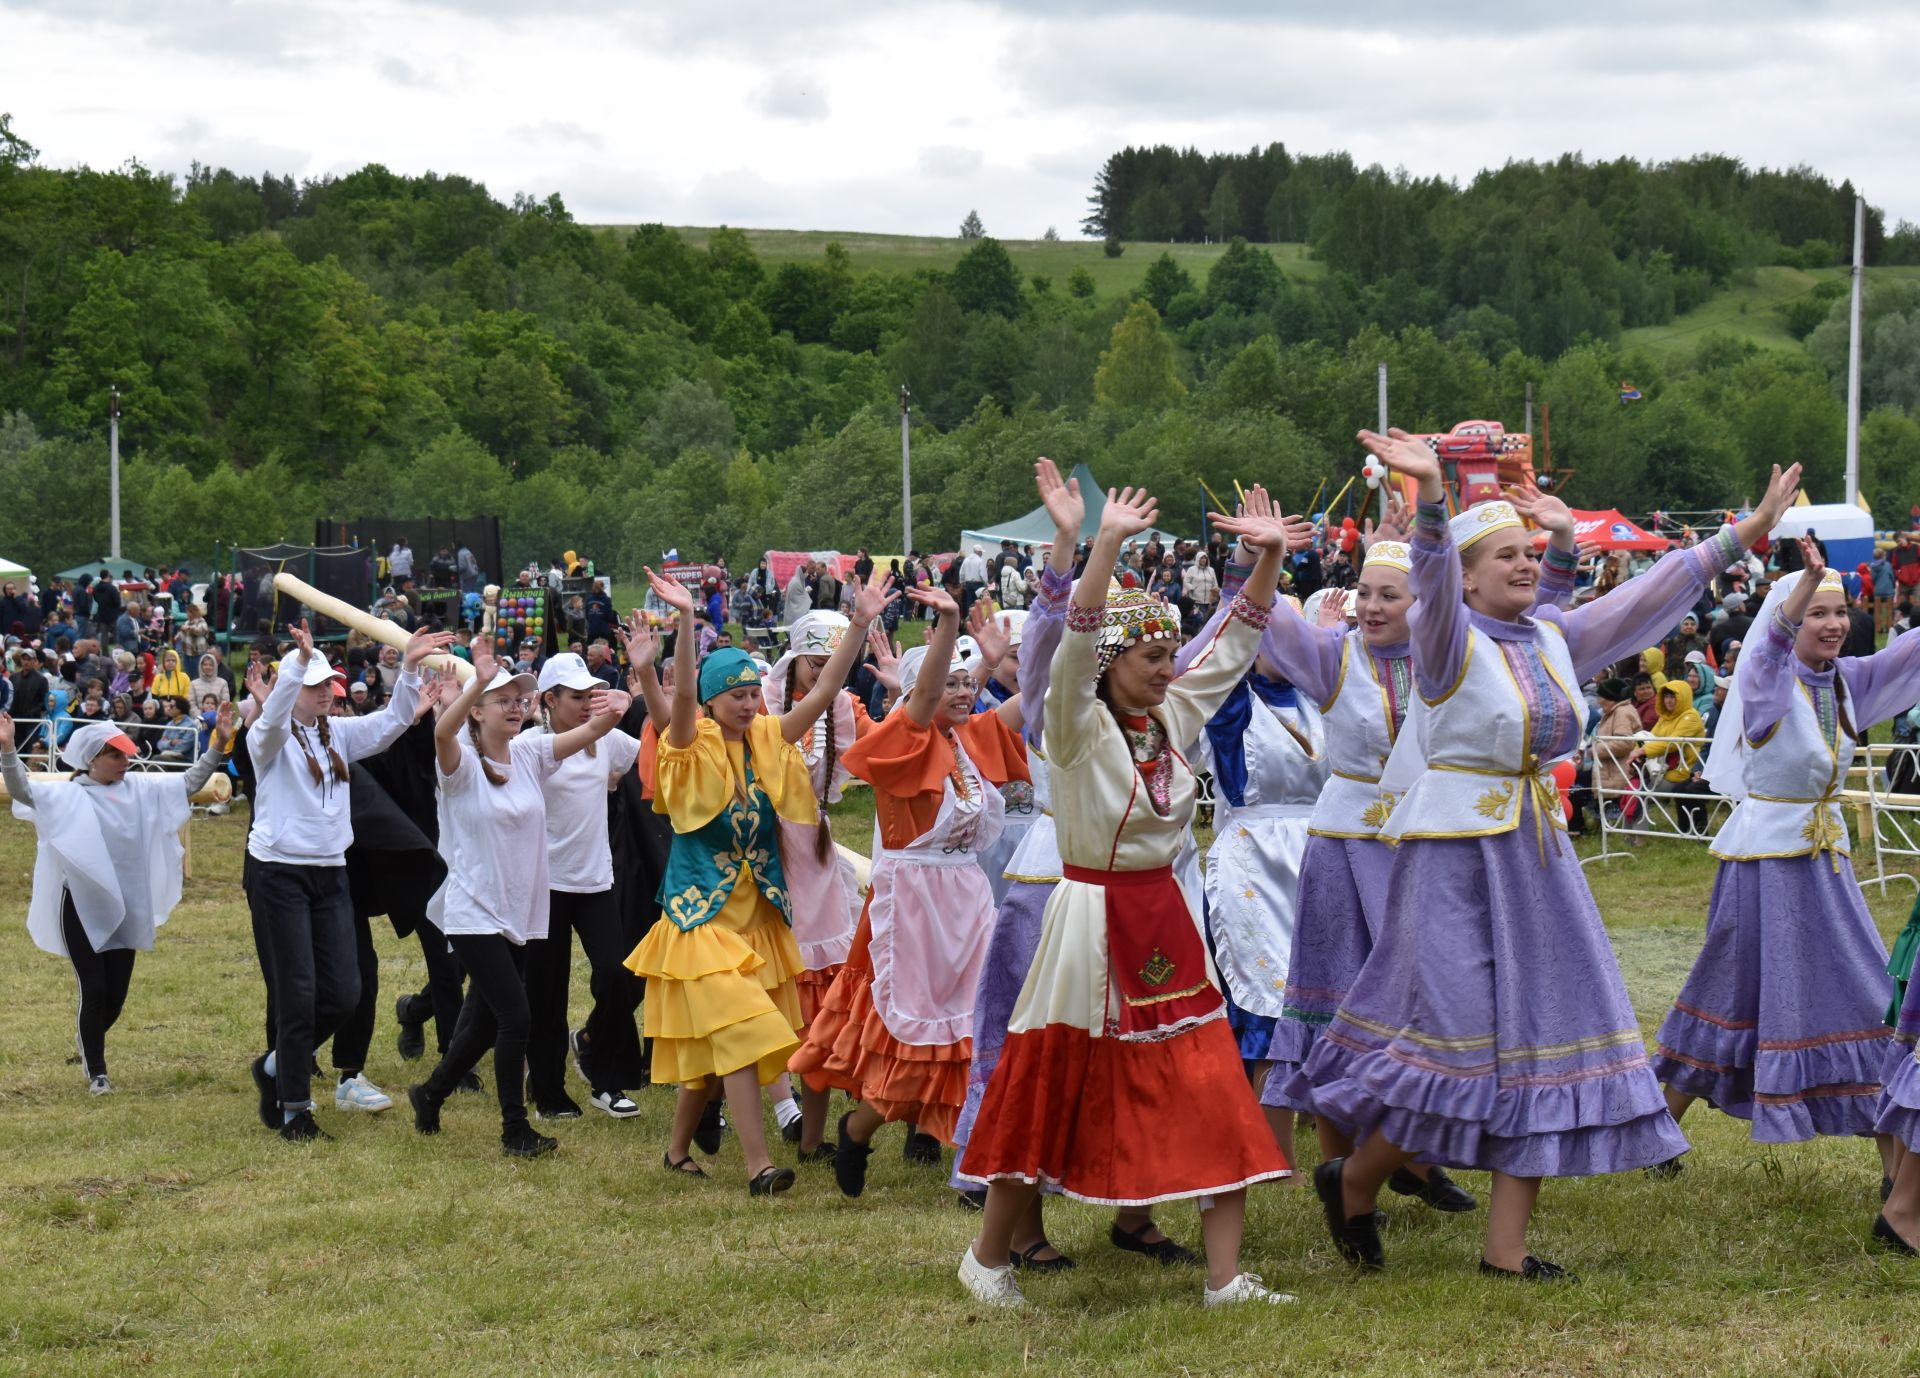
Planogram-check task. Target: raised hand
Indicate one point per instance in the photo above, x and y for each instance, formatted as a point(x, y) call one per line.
point(1812, 561)
point(6, 732)
point(641, 640)
point(936, 598)
point(1394, 521)
point(302, 638)
point(1782, 488)
point(985, 626)
point(1548, 513)
point(1255, 533)
point(1128, 513)
point(1403, 454)
point(672, 592)
point(886, 659)
point(604, 702)
point(486, 663)
point(870, 602)
point(259, 683)
point(1061, 497)
point(422, 644)
point(1333, 608)
point(223, 719)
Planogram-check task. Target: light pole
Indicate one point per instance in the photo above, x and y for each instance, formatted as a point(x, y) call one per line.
point(906, 475)
point(113, 469)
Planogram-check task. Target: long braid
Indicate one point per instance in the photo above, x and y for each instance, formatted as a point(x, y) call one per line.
point(823, 838)
point(1840, 709)
point(326, 742)
point(494, 777)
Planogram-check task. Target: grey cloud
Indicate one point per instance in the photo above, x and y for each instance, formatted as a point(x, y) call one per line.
point(946, 160)
point(558, 132)
point(275, 33)
point(404, 74)
point(792, 95)
point(196, 141)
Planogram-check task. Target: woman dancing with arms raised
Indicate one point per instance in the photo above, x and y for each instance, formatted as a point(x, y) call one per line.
point(1495, 1032)
point(1120, 1081)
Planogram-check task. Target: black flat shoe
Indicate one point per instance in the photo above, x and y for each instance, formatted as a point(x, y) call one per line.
point(525, 1141)
point(1163, 1251)
point(850, 1162)
point(1887, 1235)
point(1357, 1237)
point(1439, 1190)
point(1667, 1171)
point(821, 1153)
point(566, 1108)
point(1027, 1263)
point(471, 1085)
point(686, 1167)
point(413, 1033)
point(706, 1138)
point(972, 1200)
point(770, 1180)
point(426, 1110)
point(921, 1148)
point(1531, 1269)
point(269, 1093)
point(302, 1130)
point(790, 1131)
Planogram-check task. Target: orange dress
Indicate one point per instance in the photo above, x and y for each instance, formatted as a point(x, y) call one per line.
point(816, 886)
point(895, 1028)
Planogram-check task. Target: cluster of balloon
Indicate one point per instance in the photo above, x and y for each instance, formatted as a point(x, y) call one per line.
point(1373, 471)
point(524, 614)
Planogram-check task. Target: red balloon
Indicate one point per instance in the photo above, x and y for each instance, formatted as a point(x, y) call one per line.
point(1563, 776)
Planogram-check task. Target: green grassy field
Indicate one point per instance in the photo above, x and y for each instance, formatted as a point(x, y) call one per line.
point(162, 1230)
point(1746, 311)
point(907, 253)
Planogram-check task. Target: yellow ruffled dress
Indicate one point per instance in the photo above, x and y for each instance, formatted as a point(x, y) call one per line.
point(720, 990)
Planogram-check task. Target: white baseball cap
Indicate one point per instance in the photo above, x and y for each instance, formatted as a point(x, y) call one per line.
point(505, 679)
point(318, 671)
point(568, 671)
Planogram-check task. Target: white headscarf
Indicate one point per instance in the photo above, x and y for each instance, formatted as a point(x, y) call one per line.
point(1726, 758)
point(965, 652)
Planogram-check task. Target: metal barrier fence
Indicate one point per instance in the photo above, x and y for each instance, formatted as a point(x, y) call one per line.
point(1895, 816)
point(1650, 806)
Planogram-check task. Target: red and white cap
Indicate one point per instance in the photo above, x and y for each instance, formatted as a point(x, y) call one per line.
point(91, 740)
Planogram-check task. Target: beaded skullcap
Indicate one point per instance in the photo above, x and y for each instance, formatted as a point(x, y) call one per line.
point(1390, 555)
point(1482, 520)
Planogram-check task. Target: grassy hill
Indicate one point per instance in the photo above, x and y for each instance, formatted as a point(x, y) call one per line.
point(1746, 310)
point(906, 253)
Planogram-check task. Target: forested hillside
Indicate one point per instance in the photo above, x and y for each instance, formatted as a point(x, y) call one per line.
point(378, 343)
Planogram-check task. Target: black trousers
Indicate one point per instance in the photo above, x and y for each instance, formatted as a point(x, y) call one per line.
point(612, 1061)
point(494, 1015)
point(303, 927)
point(355, 1034)
point(440, 1001)
point(104, 978)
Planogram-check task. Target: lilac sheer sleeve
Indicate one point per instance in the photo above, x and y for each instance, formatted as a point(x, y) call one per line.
point(1645, 608)
point(1884, 683)
point(1039, 638)
point(1765, 677)
point(1557, 570)
point(1438, 619)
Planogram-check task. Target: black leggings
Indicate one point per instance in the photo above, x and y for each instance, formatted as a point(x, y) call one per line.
point(104, 978)
point(494, 1015)
point(612, 1053)
point(440, 1001)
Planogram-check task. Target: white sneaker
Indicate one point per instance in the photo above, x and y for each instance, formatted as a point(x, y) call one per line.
point(99, 1086)
point(1247, 1287)
point(990, 1286)
point(616, 1104)
point(220, 808)
point(357, 1093)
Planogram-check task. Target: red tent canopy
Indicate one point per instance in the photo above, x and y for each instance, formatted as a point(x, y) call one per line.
point(1608, 530)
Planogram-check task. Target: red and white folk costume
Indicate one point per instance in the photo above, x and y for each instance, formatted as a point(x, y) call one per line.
point(895, 1030)
point(1120, 1081)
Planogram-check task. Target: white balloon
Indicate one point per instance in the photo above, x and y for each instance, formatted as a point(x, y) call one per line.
point(1373, 480)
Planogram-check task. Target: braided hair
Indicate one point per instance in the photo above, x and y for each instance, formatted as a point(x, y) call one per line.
point(823, 835)
point(494, 777)
point(333, 757)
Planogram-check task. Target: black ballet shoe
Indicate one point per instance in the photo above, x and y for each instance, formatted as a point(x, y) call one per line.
point(686, 1167)
point(1027, 1263)
point(1439, 1190)
point(822, 1152)
point(1162, 1251)
point(973, 1199)
point(770, 1180)
point(1531, 1269)
point(1885, 1234)
point(413, 1032)
point(426, 1110)
point(790, 1131)
point(706, 1137)
point(921, 1148)
point(1667, 1171)
point(524, 1141)
point(269, 1094)
point(850, 1161)
point(1357, 1237)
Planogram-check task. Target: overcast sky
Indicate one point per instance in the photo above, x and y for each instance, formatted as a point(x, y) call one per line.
point(824, 114)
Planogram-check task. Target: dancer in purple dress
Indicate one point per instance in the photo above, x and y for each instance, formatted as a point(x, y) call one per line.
point(1031, 874)
point(1490, 1029)
point(1781, 1020)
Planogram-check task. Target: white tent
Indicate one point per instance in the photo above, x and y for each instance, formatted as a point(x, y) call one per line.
point(10, 570)
point(1846, 530)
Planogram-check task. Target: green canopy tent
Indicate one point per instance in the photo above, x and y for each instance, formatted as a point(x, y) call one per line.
point(117, 567)
point(1036, 527)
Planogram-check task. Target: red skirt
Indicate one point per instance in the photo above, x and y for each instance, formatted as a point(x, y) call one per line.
point(1129, 1121)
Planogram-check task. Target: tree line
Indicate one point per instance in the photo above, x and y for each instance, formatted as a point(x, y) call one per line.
point(378, 344)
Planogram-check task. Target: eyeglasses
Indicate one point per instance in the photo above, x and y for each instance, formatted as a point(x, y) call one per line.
point(524, 702)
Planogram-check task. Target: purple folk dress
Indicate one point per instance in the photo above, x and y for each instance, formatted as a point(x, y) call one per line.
point(1899, 1111)
point(1489, 1028)
point(1781, 1021)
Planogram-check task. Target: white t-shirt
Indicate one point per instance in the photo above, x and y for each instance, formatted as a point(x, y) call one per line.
point(579, 856)
point(494, 841)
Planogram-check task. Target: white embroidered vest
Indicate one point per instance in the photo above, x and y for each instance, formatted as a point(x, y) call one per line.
point(1360, 739)
point(1793, 780)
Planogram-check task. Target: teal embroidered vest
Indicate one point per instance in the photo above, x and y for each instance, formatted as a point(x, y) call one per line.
point(704, 866)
